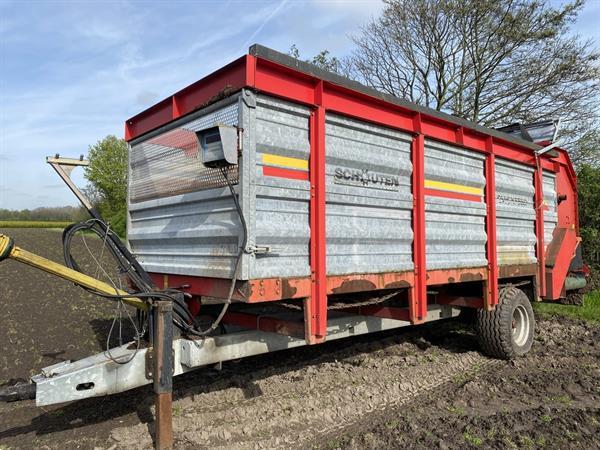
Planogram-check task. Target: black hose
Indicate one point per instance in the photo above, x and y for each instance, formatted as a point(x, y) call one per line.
point(129, 266)
point(143, 286)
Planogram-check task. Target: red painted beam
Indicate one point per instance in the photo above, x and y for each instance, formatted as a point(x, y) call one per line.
point(539, 229)
point(491, 285)
point(418, 294)
point(317, 311)
point(274, 289)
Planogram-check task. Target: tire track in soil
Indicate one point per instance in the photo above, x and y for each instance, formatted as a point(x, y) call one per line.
point(548, 399)
point(293, 408)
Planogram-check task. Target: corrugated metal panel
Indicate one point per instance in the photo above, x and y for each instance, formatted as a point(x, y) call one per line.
point(550, 206)
point(279, 215)
point(515, 213)
point(191, 234)
point(369, 199)
point(455, 228)
point(169, 164)
point(195, 232)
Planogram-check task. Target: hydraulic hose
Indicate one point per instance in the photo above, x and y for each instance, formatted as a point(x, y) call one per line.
point(142, 283)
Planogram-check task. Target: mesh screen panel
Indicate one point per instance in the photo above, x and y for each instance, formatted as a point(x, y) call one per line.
point(171, 163)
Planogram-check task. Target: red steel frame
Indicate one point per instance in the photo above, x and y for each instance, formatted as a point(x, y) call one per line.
point(539, 228)
point(316, 306)
point(418, 293)
point(321, 96)
point(491, 285)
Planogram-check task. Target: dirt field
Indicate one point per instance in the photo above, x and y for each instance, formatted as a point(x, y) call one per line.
point(425, 387)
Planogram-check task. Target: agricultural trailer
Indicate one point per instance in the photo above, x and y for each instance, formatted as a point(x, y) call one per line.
point(273, 205)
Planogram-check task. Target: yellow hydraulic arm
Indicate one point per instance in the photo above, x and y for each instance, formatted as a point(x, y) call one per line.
point(9, 250)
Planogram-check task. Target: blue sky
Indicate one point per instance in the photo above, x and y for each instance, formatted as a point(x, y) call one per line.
point(71, 72)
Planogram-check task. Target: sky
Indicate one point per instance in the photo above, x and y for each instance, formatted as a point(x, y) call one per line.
point(72, 72)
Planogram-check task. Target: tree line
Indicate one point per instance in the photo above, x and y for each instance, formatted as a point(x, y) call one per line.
point(45, 214)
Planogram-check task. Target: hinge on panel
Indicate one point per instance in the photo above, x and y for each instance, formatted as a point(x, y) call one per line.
point(249, 98)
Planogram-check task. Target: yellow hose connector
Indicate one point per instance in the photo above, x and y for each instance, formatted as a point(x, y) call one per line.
point(6, 246)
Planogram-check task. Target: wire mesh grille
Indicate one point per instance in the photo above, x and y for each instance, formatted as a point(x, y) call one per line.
point(171, 164)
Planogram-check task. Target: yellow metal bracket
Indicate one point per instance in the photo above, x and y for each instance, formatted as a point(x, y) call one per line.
point(9, 250)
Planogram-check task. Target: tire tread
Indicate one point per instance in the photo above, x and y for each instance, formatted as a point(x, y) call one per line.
point(494, 327)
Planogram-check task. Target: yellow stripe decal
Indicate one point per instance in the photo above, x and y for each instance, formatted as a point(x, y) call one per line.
point(453, 187)
point(284, 161)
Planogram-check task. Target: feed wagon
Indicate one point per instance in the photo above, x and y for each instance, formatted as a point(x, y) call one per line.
point(273, 205)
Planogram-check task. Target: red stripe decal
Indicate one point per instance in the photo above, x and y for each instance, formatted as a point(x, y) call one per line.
point(452, 195)
point(269, 171)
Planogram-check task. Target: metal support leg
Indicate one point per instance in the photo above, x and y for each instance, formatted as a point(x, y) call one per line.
point(162, 373)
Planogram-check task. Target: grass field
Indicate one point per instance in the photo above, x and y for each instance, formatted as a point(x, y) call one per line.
point(32, 224)
point(589, 311)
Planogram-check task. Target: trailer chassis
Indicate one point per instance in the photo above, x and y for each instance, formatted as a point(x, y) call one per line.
point(98, 375)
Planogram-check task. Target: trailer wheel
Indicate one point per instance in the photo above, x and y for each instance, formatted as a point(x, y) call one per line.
point(507, 331)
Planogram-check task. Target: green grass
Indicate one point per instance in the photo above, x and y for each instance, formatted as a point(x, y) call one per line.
point(472, 439)
point(589, 311)
point(32, 224)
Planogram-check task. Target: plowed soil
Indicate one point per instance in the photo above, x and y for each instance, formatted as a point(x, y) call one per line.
point(422, 387)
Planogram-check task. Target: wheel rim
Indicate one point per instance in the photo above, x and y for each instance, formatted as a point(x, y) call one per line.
point(520, 326)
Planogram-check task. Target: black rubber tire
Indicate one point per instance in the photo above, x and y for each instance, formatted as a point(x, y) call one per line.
point(495, 328)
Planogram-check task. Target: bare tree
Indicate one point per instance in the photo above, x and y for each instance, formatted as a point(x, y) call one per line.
point(492, 62)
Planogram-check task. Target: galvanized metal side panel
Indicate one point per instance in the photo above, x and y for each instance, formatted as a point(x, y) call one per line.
point(190, 234)
point(455, 228)
point(515, 213)
point(550, 206)
point(369, 198)
point(193, 233)
point(279, 212)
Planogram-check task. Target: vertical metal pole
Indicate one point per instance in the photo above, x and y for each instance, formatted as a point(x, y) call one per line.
point(317, 320)
point(491, 284)
point(418, 293)
point(162, 373)
point(538, 182)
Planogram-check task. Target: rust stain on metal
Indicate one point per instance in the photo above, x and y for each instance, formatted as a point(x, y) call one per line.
point(348, 286)
point(517, 270)
point(471, 276)
point(400, 284)
point(227, 91)
point(445, 276)
point(164, 422)
point(244, 289)
point(287, 290)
